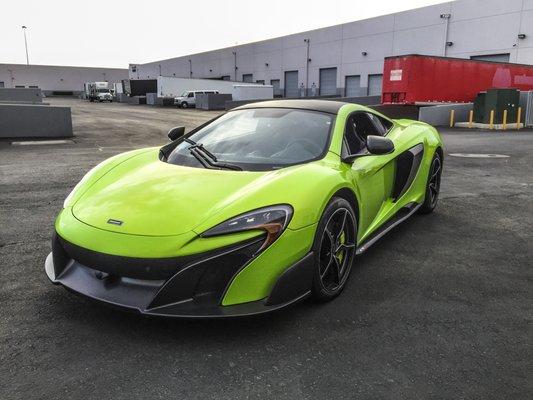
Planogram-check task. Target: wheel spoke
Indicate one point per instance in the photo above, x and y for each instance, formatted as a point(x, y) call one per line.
point(337, 269)
point(344, 246)
point(323, 273)
point(343, 224)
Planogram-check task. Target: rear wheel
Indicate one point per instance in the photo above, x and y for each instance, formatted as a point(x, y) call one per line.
point(432, 186)
point(334, 248)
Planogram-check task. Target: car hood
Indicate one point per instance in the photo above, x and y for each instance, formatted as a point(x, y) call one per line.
point(145, 196)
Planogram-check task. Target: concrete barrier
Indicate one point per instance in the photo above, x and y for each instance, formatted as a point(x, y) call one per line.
point(21, 95)
point(34, 121)
point(212, 101)
point(439, 115)
point(124, 98)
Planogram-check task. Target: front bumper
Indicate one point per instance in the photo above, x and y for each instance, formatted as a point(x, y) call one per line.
point(191, 288)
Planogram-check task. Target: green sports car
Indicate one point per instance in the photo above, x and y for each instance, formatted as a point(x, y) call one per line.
point(256, 209)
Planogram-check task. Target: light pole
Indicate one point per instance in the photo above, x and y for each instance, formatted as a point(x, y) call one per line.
point(235, 64)
point(26, 44)
point(307, 67)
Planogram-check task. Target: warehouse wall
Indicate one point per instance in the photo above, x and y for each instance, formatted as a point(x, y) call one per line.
point(56, 78)
point(472, 28)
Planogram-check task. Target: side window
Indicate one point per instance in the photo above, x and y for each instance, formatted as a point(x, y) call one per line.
point(364, 125)
point(191, 94)
point(381, 124)
point(353, 143)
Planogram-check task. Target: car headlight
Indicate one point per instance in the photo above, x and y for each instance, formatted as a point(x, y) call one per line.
point(273, 220)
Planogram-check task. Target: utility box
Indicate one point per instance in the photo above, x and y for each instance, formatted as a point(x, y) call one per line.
point(479, 107)
point(498, 100)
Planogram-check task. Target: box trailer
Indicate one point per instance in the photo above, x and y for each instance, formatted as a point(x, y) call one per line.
point(172, 87)
point(418, 79)
point(139, 87)
point(252, 92)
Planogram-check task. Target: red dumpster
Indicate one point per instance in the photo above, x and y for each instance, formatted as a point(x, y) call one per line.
point(414, 79)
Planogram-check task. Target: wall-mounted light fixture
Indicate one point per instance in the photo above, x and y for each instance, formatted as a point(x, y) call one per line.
point(364, 53)
point(522, 36)
point(449, 44)
point(266, 64)
point(210, 70)
point(446, 16)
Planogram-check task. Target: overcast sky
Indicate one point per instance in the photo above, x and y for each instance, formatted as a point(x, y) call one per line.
point(113, 33)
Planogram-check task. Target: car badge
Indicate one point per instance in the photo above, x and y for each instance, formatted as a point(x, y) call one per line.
point(114, 222)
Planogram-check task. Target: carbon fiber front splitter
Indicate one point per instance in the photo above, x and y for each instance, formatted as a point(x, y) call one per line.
point(137, 295)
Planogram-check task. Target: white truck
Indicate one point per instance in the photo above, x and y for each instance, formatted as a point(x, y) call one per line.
point(98, 91)
point(188, 97)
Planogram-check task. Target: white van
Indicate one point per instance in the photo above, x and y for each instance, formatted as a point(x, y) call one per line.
point(188, 98)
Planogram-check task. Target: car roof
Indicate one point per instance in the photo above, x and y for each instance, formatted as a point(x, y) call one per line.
point(328, 106)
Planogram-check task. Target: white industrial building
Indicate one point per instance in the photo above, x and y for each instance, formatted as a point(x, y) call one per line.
point(347, 59)
point(56, 80)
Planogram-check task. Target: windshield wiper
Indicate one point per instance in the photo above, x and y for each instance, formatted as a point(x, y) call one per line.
point(206, 158)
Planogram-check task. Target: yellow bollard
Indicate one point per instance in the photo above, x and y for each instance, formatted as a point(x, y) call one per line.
point(518, 117)
point(504, 120)
point(452, 118)
point(470, 118)
point(491, 120)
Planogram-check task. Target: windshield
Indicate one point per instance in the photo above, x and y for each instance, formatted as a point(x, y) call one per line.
point(260, 139)
point(184, 94)
point(102, 90)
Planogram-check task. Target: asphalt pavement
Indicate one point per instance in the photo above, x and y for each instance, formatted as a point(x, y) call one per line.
point(441, 308)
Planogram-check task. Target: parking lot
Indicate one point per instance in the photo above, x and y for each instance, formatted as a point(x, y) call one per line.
point(440, 308)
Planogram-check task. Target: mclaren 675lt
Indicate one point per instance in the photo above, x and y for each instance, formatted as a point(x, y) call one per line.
point(263, 206)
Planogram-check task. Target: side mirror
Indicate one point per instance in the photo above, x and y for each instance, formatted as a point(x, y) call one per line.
point(375, 145)
point(379, 145)
point(176, 133)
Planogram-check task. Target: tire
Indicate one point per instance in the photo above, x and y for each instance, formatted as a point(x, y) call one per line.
point(337, 229)
point(184, 104)
point(432, 185)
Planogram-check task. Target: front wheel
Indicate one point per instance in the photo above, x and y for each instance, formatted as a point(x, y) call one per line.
point(184, 104)
point(334, 248)
point(432, 185)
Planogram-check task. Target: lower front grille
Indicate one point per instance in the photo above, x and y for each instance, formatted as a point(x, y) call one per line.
point(199, 278)
point(128, 267)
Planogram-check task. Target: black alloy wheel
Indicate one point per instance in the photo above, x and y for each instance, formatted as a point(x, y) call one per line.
point(335, 246)
point(433, 185)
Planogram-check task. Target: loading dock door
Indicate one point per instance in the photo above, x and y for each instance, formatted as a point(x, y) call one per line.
point(276, 87)
point(375, 83)
point(353, 86)
point(328, 81)
point(248, 78)
point(291, 84)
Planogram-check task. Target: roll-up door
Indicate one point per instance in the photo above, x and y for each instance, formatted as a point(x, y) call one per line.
point(328, 81)
point(375, 83)
point(353, 86)
point(291, 84)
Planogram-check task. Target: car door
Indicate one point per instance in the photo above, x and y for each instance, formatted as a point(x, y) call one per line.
point(371, 175)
